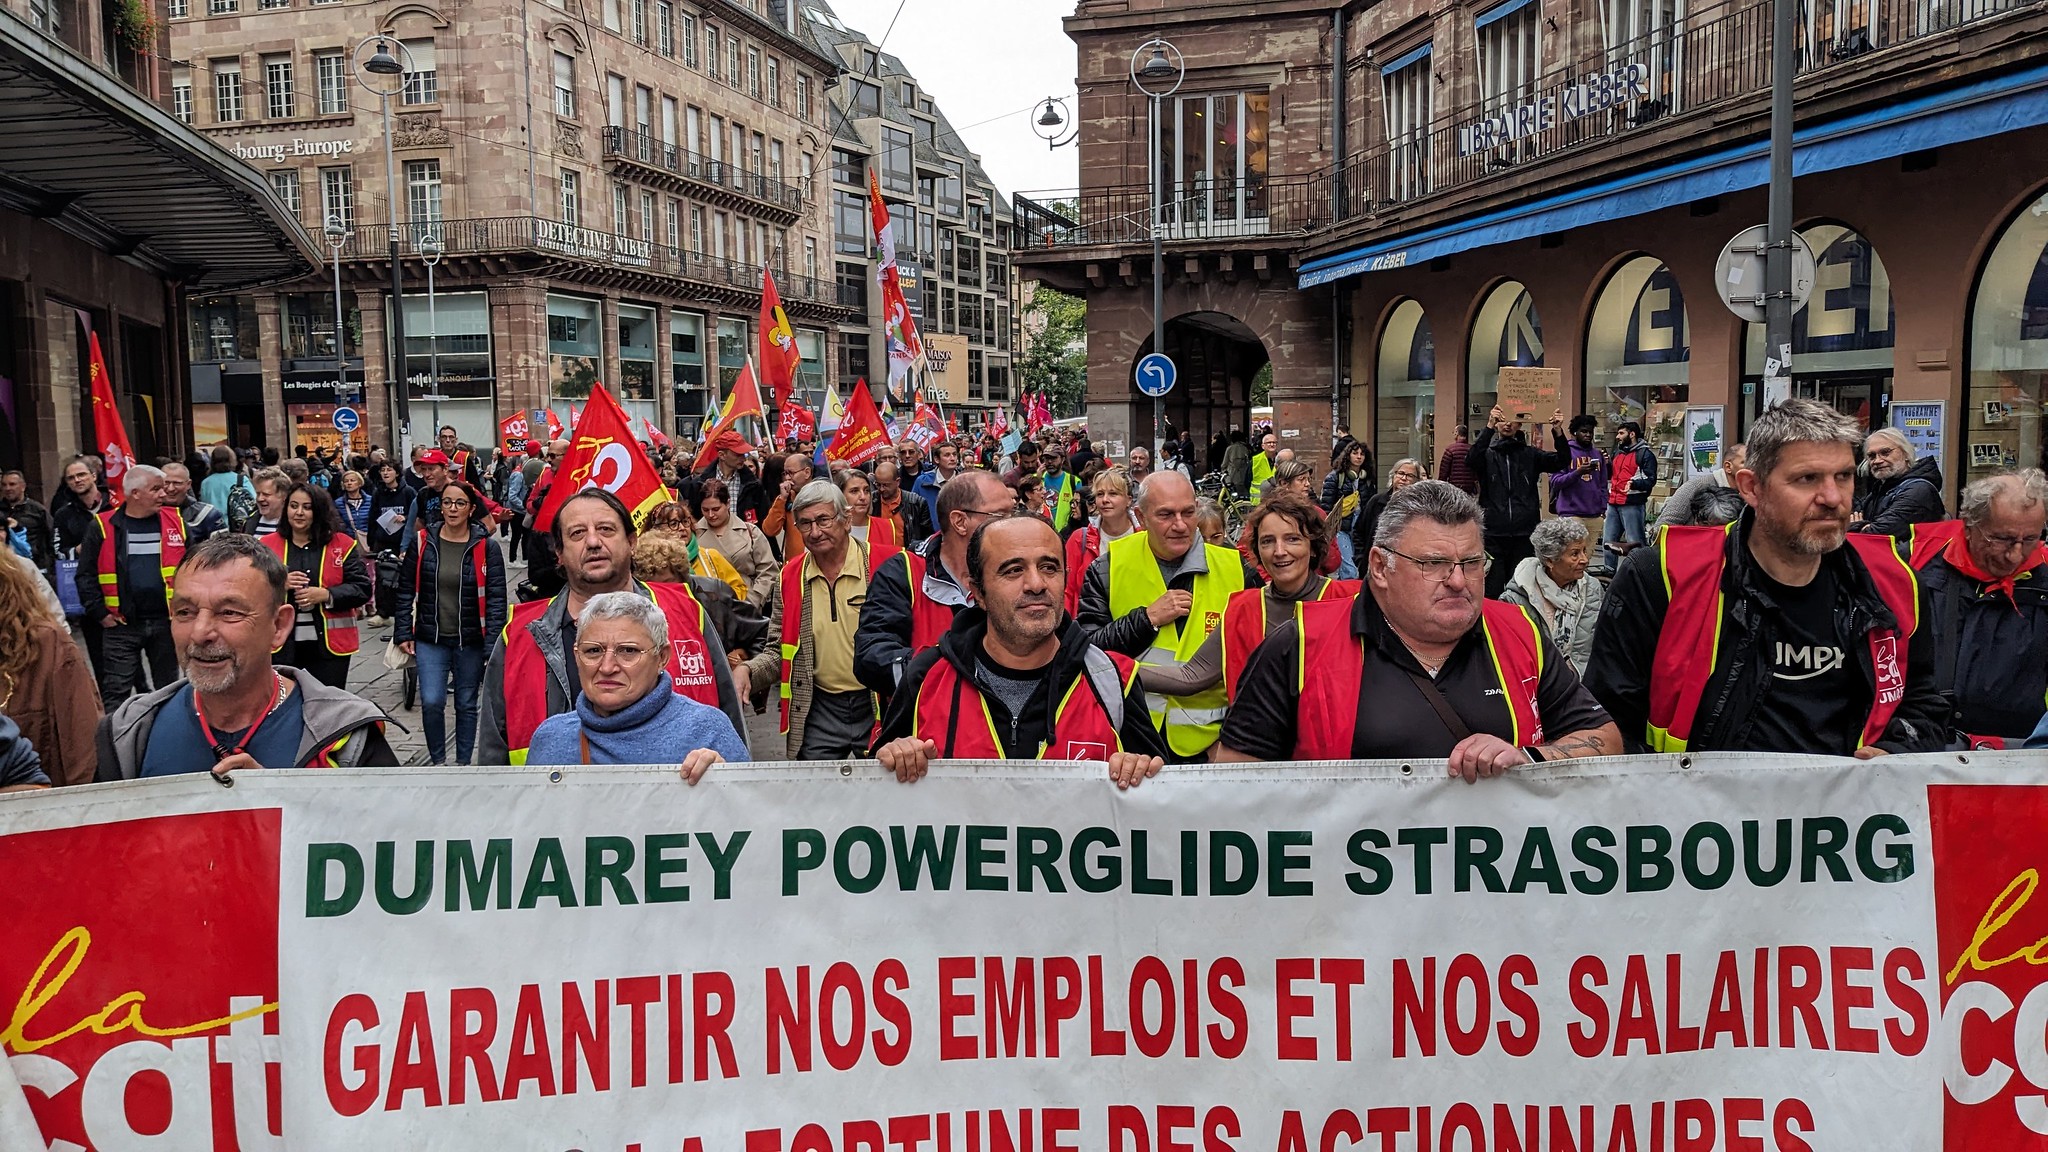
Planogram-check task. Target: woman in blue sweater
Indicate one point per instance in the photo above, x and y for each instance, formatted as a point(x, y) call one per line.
point(628, 711)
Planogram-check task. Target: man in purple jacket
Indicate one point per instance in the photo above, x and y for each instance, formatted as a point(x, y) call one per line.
point(1580, 491)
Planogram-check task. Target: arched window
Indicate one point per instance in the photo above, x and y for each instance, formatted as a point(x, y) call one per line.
point(1842, 339)
point(1507, 333)
point(2009, 349)
point(1404, 402)
point(1638, 357)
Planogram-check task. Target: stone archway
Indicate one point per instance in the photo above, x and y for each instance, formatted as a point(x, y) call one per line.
point(1217, 356)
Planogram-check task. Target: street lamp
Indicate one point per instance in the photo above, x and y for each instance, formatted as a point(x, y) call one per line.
point(1158, 77)
point(429, 248)
point(1052, 123)
point(383, 75)
point(336, 234)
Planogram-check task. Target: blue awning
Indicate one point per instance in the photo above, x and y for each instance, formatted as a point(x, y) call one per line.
point(1405, 59)
point(1971, 112)
point(1498, 11)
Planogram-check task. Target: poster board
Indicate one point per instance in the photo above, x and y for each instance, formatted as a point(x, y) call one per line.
point(1924, 423)
point(1704, 439)
point(1529, 394)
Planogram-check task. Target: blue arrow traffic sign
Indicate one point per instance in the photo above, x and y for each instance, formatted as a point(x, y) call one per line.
point(1156, 374)
point(347, 420)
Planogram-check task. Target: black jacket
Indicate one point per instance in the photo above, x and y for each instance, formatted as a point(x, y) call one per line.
point(1625, 644)
point(1892, 507)
point(1990, 652)
point(1132, 633)
point(917, 515)
point(1507, 467)
point(1020, 735)
point(34, 519)
point(1338, 485)
point(419, 608)
point(382, 498)
point(881, 648)
point(90, 595)
point(744, 492)
point(73, 520)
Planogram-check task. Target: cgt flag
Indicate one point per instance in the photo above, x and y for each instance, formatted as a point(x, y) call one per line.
point(604, 454)
point(745, 402)
point(861, 436)
point(109, 438)
point(655, 435)
point(778, 353)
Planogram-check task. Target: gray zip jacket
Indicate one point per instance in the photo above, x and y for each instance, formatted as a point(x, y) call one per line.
point(330, 716)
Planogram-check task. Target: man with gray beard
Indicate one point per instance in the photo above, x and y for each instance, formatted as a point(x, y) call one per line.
point(235, 710)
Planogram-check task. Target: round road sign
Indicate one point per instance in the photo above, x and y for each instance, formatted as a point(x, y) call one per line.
point(347, 420)
point(1739, 273)
point(1156, 374)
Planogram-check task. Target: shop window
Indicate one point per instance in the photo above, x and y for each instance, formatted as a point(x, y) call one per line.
point(732, 352)
point(1506, 334)
point(450, 342)
point(1842, 338)
point(2008, 381)
point(575, 350)
point(1213, 161)
point(220, 328)
point(1638, 357)
point(686, 369)
point(1404, 404)
point(635, 387)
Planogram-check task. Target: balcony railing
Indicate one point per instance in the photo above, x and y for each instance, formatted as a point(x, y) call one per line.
point(538, 234)
point(651, 150)
point(1198, 210)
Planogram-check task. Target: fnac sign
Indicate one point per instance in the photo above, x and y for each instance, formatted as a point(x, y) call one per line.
point(1991, 918)
point(138, 981)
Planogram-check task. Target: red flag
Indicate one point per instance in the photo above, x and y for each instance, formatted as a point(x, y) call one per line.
point(861, 436)
point(797, 424)
point(744, 401)
point(554, 425)
point(515, 429)
point(654, 435)
point(604, 454)
point(779, 357)
point(109, 438)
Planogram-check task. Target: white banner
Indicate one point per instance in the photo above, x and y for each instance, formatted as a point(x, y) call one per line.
point(1716, 952)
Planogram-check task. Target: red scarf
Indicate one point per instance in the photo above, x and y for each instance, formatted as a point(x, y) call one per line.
point(1958, 556)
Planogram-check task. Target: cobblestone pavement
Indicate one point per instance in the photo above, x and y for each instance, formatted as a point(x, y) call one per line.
point(385, 688)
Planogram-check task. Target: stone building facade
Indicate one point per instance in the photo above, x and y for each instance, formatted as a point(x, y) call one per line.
point(606, 186)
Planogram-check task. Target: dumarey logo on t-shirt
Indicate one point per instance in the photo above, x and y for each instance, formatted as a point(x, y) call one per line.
point(112, 1053)
point(1991, 925)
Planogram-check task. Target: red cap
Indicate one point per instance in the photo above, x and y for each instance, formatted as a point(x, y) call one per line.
point(730, 441)
point(533, 447)
point(434, 456)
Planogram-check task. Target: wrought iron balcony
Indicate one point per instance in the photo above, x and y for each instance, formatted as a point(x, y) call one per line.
point(703, 172)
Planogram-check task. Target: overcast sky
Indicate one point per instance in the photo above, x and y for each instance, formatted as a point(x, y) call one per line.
point(987, 63)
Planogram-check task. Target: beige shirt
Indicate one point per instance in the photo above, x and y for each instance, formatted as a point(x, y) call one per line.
point(835, 616)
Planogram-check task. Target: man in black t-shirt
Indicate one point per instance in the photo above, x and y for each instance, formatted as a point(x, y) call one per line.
point(1782, 632)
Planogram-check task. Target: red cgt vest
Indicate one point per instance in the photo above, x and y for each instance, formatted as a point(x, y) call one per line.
point(1244, 625)
point(337, 629)
point(526, 670)
point(1328, 713)
point(952, 714)
point(1689, 642)
point(476, 559)
point(170, 522)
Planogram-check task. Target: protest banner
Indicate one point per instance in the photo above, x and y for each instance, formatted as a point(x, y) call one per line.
point(1529, 394)
point(1679, 954)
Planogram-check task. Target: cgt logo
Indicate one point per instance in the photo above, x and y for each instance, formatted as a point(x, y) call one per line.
point(141, 989)
point(1992, 929)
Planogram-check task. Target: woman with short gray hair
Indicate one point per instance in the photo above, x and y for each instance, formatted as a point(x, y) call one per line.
point(1555, 584)
point(628, 711)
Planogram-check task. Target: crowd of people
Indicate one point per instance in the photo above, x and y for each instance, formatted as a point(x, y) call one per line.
point(1030, 599)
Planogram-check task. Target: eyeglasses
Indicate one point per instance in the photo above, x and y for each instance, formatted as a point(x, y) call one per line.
point(2008, 543)
point(1439, 569)
point(627, 654)
point(815, 524)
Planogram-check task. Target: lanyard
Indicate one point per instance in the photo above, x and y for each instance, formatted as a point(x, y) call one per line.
point(221, 750)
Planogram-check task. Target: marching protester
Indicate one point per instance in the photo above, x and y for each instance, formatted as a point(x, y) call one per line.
point(827, 713)
point(662, 557)
point(271, 485)
point(874, 531)
point(1901, 491)
point(671, 522)
point(1291, 545)
point(125, 571)
point(1579, 490)
point(328, 583)
point(1630, 476)
point(1113, 520)
point(531, 674)
point(909, 517)
point(777, 525)
point(1506, 464)
point(77, 506)
point(628, 711)
point(1237, 464)
point(1986, 579)
point(450, 609)
point(1211, 523)
point(236, 709)
point(227, 489)
point(354, 505)
point(945, 464)
point(1349, 485)
point(1156, 595)
point(913, 595)
point(741, 542)
point(1064, 495)
point(45, 683)
point(461, 458)
point(1703, 499)
point(1405, 472)
point(21, 767)
point(204, 518)
point(1417, 664)
point(1783, 632)
point(527, 487)
point(1554, 583)
point(31, 519)
point(388, 502)
point(1264, 462)
point(1015, 678)
point(1138, 462)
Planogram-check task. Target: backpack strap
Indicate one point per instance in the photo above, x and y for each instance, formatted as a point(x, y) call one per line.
point(1109, 687)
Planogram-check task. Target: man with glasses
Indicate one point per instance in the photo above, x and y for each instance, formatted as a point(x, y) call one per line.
point(1418, 664)
point(1156, 595)
point(1986, 577)
point(827, 714)
point(1781, 632)
point(914, 593)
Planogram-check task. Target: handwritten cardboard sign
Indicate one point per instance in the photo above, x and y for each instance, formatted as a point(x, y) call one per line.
point(1527, 394)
